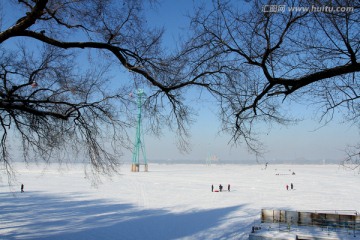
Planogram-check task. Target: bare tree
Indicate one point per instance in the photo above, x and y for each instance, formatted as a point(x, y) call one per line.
point(259, 56)
point(57, 59)
point(56, 93)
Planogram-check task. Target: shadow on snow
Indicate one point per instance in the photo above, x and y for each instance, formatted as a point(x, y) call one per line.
point(35, 215)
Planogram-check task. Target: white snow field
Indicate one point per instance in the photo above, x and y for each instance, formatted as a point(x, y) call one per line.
point(168, 202)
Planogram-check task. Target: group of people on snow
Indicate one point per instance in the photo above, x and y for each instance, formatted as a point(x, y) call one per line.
point(291, 186)
point(220, 188)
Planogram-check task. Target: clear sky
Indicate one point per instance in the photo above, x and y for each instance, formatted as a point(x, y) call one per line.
point(295, 143)
point(292, 143)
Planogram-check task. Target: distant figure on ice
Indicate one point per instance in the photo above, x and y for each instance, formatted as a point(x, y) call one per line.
point(220, 188)
point(287, 187)
point(291, 186)
point(212, 187)
point(228, 187)
point(22, 187)
point(266, 165)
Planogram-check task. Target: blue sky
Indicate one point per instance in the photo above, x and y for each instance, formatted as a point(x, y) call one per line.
point(294, 143)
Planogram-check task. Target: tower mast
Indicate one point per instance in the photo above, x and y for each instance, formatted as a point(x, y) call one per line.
point(139, 145)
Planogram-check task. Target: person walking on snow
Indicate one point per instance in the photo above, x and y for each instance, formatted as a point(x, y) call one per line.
point(228, 187)
point(220, 188)
point(212, 187)
point(287, 187)
point(22, 187)
point(291, 186)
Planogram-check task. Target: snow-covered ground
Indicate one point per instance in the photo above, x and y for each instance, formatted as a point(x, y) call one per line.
point(168, 202)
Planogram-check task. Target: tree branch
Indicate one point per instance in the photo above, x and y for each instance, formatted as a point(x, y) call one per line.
point(25, 22)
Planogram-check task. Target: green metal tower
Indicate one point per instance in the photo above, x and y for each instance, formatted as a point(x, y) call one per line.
point(139, 138)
